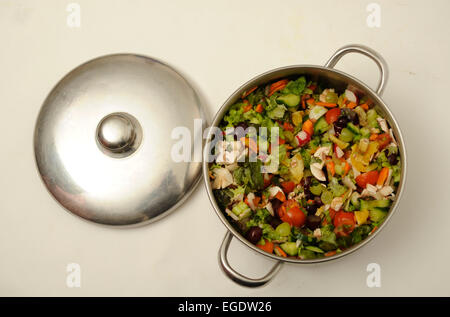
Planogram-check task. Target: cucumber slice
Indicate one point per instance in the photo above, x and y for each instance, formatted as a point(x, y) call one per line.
point(326, 197)
point(316, 190)
point(372, 115)
point(365, 132)
point(384, 203)
point(364, 204)
point(289, 100)
point(375, 204)
point(321, 126)
point(353, 128)
point(377, 214)
point(338, 142)
point(289, 247)
point(346, 135)
point(306, 254)
point(314, 249)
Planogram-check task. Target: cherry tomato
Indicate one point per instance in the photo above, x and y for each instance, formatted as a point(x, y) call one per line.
point(288, 186)
point(383, 140)
point(291, 213)
point(332, 213)
point(280, 196)
point(332, 115)
point(288, 127)
point(344, 223)
point(367, 178)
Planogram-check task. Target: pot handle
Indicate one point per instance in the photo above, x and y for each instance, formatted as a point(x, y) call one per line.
point(356, 48)
point(237, 277)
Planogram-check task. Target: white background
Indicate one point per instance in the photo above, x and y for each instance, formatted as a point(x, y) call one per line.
point(220, 45)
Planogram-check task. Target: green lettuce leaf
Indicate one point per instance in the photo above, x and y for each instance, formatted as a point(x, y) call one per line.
point(295, 86)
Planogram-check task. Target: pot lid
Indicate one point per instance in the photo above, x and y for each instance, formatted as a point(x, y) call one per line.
point(103, 140)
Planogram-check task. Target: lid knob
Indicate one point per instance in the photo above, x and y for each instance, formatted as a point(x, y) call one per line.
point(118, 134)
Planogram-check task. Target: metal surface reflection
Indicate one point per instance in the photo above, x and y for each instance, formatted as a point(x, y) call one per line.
point(103, 138)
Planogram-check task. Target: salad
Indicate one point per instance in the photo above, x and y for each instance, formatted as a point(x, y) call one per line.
point(338, 168)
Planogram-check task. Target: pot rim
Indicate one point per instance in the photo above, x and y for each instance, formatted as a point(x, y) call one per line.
point(302, 67)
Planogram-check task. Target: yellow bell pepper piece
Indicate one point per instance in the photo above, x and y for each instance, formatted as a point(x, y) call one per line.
point(362, 161)
point(297, 118)
point(296, 168)
point(361, 216)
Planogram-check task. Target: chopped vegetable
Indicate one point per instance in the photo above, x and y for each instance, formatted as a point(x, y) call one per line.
point(277, 86)
point(367, 178)
point(325, 186)
point(289, 100)
point(332, 115)
point(316, 112)
point(321, 126)
point(259, 108)
point(361, 216)
point(280, 252)
point(377, 214)
point(289, 247)
point(343, 145)
point(267, 246)
point(326, 104)
point(383, 176)
point(346, 135)
point(241, 209)
point(302, 138)
point(248, 92)
point(283, 229)
point(291, 213)
point(296, 168)
point(288, 186)
point(297, 118)
point(308, 127)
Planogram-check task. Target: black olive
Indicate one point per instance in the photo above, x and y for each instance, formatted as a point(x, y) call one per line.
point(254, 234)
point(393, 159)
point(275, 222)
point(239, 133)
point(308, 195)
point(313, 222)
point(340, 124)
point(351, 115)
point(307, 181)
point(317, 200)
point(342, 121)
point(311, 209)
point(276, 180)
point(306, 184)
point(355, 120)
point(243, 125)
point(275, 204)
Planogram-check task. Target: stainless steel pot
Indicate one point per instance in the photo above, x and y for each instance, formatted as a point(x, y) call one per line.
point(332, 78)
